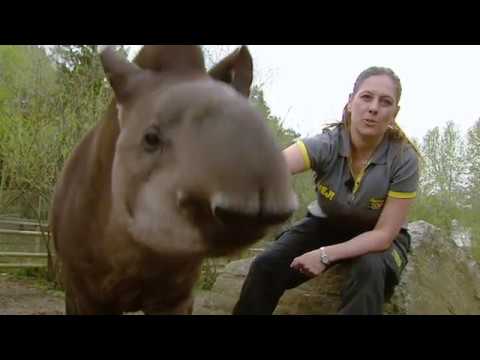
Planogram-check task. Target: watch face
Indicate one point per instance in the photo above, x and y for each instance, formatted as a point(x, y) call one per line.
point(323, 257)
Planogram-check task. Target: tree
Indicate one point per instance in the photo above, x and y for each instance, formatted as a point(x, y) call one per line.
point(26, 75)
point(283, 135)
point(82, 96)
point(443, 182)
point(473, 160)
point(27, 85)
point(444, 155)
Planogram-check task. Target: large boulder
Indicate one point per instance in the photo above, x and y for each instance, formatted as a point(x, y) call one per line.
point(440, 278)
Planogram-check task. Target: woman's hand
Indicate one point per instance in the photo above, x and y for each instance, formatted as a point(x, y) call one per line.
point(309, 263)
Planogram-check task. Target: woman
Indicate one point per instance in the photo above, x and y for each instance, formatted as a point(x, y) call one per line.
point(366, 177)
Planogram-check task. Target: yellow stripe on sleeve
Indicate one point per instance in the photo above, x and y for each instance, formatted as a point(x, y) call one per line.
point(306, 158)
point(402, 195)
point(397, 258)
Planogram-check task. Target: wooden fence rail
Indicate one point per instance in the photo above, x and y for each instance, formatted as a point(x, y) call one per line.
point(21, 232)
point(23, 254)
point(29, 230)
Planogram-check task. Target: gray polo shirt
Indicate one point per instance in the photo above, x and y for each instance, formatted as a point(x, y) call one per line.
point(357, 203)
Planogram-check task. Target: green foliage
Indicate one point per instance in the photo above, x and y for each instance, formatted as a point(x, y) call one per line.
point(26, 178)
point(208, 274)
point(473, 161)
point(50, 102)
point(27, 87)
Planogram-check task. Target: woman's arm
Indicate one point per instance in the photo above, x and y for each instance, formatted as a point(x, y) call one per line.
point(295, 158)
point(393, 216)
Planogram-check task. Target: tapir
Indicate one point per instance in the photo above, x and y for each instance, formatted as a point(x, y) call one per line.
point(181, 167)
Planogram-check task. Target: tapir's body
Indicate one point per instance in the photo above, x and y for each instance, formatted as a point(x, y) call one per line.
point(180, 168)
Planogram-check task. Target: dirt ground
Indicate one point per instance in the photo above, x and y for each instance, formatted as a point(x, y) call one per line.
point(24, 296)
point(27, 297)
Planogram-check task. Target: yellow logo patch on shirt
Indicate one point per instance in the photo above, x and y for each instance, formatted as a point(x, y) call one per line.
point(325, 191)
point(375, 204)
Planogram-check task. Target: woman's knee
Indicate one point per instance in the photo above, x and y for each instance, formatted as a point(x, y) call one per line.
point(264, 263)
point(369, 266)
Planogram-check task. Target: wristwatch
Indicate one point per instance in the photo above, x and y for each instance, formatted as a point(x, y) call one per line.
point(323, 257)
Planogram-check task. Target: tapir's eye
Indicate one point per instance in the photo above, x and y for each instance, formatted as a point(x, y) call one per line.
point(152, 140)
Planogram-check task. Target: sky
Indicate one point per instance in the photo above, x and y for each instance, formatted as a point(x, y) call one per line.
point(308, 85)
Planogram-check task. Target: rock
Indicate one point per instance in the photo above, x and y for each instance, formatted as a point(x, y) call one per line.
point(440, 278)
point(461, 236)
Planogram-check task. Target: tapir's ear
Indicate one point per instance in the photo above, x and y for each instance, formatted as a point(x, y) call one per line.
point(119, 72)
point(236, 69)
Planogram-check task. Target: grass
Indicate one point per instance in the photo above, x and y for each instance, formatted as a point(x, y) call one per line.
point(34, 276)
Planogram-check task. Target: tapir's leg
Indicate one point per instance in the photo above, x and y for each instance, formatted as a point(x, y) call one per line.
point(70, 304)
point(87, 306)
point(184, 307)
point(78, 302)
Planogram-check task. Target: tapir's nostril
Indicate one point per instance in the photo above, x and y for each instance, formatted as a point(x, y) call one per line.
point(229, 216)
point(236, 217)
point(233, 217)
point(276, 218)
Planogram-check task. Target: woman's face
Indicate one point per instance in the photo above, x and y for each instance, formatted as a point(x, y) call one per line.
point(374, 106)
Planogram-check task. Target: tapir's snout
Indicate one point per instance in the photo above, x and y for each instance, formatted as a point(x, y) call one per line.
point(230, 174)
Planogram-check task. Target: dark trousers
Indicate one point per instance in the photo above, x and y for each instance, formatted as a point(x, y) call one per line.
point(372, 279)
